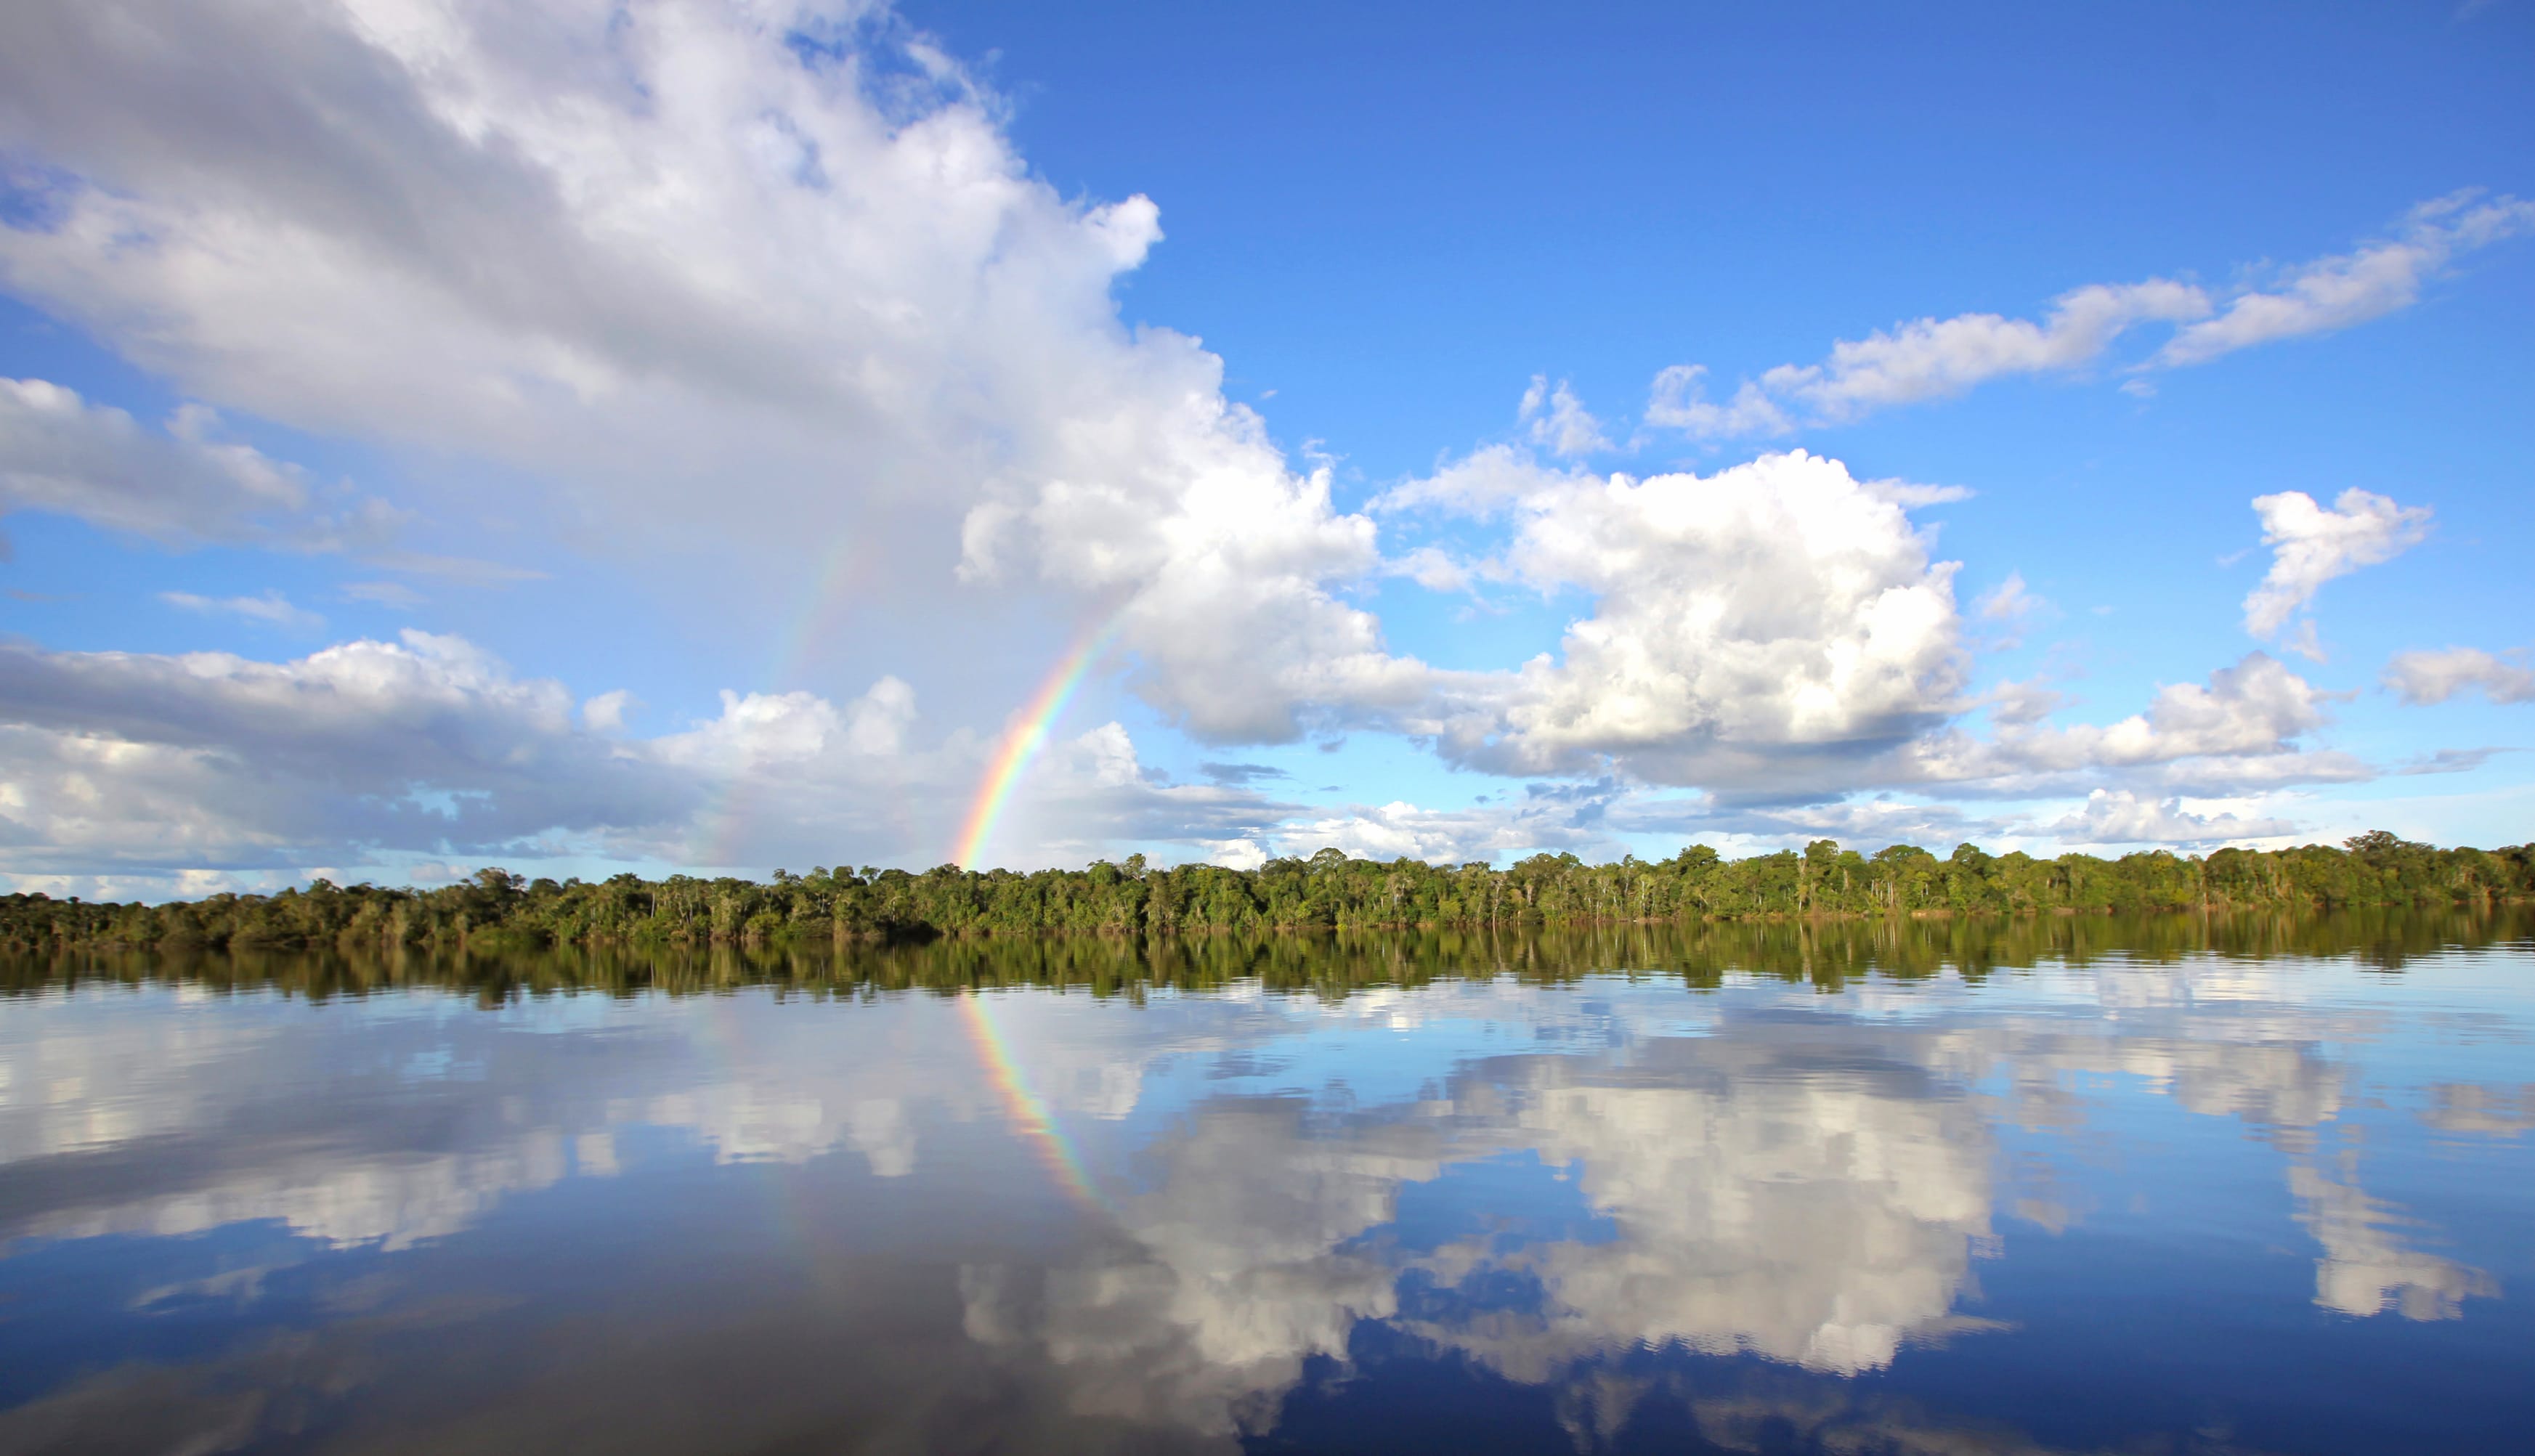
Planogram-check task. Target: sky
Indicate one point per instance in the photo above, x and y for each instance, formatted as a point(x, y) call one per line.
point(724, 435)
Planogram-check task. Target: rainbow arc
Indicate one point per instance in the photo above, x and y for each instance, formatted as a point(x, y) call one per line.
point(1028, 1114)
point(1024, 741)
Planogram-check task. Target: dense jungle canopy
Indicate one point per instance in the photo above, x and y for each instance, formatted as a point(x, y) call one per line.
point(1327, 891)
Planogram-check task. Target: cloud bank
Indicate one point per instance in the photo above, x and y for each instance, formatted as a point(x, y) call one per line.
point(764, 291)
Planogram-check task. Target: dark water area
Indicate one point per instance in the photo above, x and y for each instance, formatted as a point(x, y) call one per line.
point(2059, 1185)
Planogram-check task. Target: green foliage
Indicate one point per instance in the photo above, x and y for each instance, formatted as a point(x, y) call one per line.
point(1826, 952)
point(497, 909)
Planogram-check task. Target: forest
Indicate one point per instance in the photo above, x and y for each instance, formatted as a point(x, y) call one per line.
point(1826, 951)
point(500, 910)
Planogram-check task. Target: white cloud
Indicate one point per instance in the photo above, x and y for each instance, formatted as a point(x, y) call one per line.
point(1218, 567)
point(606, 713)
point(1544, 817)
point(2121, 816)
point(708, 294)
point(1773, 612)
point(1559, 422)
point(1481, 485)
point(1779, 627)
point(2009, 601)
point(1237, 854)
point(1436, 570)
point(1938, 358)
point(2332, 294)
point(119, 763)
point(2241, 729)
point(1933, 358)
point(2011, 606)
point(272, 609)
point(2310, 545)
point(2428, 676)
point(1677, 401)
point(642, 251)
point(126, 766)
point(215, 760)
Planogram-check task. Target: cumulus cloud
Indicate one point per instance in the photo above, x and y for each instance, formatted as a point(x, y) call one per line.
point(1773, 613)
point(2310, 545)
point(781, 251)
point(2421, 678)
point(123, 762)
point(1742, 825)
point(2117, 816)
point(1934, 358)
point(714, 282)
point(1537, 817)
point(211, 759)
point(2241, 729)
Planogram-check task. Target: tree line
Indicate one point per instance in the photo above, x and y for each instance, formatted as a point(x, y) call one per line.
point(1328, 890)
point(1828, 952)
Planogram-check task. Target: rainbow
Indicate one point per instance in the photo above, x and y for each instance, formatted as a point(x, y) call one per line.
point(1027, 1113)
point(1023, 742)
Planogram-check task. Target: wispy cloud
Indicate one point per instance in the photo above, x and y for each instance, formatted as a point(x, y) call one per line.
point(1931, 358)
point(272, 609)
point(392, 594)
point(2366, 282)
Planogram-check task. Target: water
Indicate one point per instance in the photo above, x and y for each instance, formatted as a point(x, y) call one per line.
point(2047, 1185)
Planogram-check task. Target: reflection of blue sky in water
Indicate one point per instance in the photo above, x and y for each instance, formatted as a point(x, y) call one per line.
point(1537, 1181)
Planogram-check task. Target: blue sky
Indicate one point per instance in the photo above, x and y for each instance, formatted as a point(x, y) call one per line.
point(747, 406)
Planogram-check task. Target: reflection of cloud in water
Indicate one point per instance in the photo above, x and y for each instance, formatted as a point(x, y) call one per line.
point(744, 1121)
point(2469, 1107)
point(156, 1114)
point(1766, 1198)
point(2365, 1269)
point(1792, 1191)
point(91, 1071)
point(1760, 1171)
point(1237, 1272)
point(391, 1201)
point(1810, 1189)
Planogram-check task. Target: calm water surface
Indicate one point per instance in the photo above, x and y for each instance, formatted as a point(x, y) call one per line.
point(2060, 1186)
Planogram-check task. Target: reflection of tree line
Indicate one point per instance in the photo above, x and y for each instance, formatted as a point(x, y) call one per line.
point(1826, 952)
point(1327, 892)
